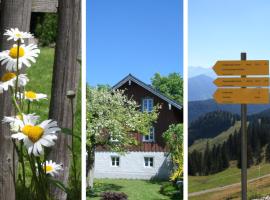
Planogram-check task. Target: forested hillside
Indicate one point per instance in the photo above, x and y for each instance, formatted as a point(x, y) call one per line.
point(217, 158)
point(210, 125)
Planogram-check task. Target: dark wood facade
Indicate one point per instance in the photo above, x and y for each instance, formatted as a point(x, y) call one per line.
point(167, 115)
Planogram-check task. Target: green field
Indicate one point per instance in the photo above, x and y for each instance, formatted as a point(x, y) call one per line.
point(229, 176)
point(135, 189)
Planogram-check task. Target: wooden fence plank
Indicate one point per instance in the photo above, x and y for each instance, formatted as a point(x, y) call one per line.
point(49, 6)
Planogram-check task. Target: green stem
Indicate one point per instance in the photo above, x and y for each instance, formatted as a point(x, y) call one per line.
point(14, 101)
point(23, 166)
point(28, 106)
point(17, 67)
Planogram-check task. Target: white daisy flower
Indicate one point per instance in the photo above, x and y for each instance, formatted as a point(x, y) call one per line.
point(15, 34)
point(52, 168)
point(32, 96)
point(26, 54)
point(14, 122)
point(9, 79)
point(36, 135)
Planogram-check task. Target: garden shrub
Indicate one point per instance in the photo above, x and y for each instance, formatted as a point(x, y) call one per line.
point(113, 196)
point(172, 190)
point(46, 29)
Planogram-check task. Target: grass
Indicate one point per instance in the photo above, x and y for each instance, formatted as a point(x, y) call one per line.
point(135, 189)
point(40, 75)
point(230, 176)
point(256, 189)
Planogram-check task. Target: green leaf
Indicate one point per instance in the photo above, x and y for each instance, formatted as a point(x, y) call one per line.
point(68, 131)
point(58, 184)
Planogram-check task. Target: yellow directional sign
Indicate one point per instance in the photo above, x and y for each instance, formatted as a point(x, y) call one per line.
point(242, 95)
point(242, 82)
point(237, 67)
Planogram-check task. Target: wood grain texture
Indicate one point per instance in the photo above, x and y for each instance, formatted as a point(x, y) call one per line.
point(49, 6)
point(14, 13)
point(66, 76)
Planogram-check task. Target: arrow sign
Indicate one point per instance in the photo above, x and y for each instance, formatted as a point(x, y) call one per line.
point(241, 95)
point(234, 68)
point(241, 82)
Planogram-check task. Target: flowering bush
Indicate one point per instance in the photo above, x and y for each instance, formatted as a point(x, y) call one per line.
point(113, 196)
point(31, 136)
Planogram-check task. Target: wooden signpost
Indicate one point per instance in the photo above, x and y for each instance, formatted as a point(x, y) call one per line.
point(236, 68)
point(242, 90)
point(241, 82)
point(241, 95)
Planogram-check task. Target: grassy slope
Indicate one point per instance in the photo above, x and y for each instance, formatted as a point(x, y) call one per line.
point(135, 189)
point(219, 139)
point(227, 177)
point(256, 189)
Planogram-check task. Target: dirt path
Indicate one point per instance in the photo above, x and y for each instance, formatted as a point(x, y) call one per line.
point(224, 187)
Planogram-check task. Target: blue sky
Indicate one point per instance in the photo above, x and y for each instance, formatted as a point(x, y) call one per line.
point(220, 30)
point(141, 37)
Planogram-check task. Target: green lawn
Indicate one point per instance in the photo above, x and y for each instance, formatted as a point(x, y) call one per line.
point(135, 189)
point(40, 75)
point(227, 177)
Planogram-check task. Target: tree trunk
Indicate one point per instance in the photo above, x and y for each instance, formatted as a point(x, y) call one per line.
point(90, 167)
point(66, 76)
point(14, 13)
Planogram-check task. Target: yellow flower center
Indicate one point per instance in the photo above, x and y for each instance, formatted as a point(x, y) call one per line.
point(30, 95)
point(48, 168)
point(14, 50)
point(18, 35)
point(34, 133)
point(8, 76)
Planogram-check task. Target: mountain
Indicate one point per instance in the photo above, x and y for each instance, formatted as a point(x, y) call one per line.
point(200, 87)
point(210, 125)
point(196, 71)
point(199, 108)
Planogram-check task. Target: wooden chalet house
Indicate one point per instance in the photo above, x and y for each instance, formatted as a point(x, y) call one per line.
point(149, 159)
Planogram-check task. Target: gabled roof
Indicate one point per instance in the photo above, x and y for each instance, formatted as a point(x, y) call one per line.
point(147, 87)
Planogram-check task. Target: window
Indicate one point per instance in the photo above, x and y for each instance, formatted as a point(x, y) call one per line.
point(115, 161)
point(151, 136)
point(147, 105)
point(148, 161)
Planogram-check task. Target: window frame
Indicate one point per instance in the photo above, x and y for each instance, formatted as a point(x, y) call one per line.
point(148, 159)
point(150, 133)
point(114, 161)
point(147, 109)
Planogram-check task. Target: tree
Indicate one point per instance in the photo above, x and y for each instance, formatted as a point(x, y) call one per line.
point(171, 85)
point(111, 114)
point(174, 140)
point(267, 153)
point(13, 14)
point(66, 76)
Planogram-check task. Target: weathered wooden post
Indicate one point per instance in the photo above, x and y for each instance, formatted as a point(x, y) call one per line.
point(66, 76)
point(14, 13)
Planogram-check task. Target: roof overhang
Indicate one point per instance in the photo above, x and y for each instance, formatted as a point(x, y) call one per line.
point(147, 87)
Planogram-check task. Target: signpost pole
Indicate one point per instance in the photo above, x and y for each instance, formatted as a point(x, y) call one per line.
point(244, 143)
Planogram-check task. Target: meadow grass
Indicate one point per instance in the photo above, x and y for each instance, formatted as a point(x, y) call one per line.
point(135, 189)
point(227, 177)
point(40, 75)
